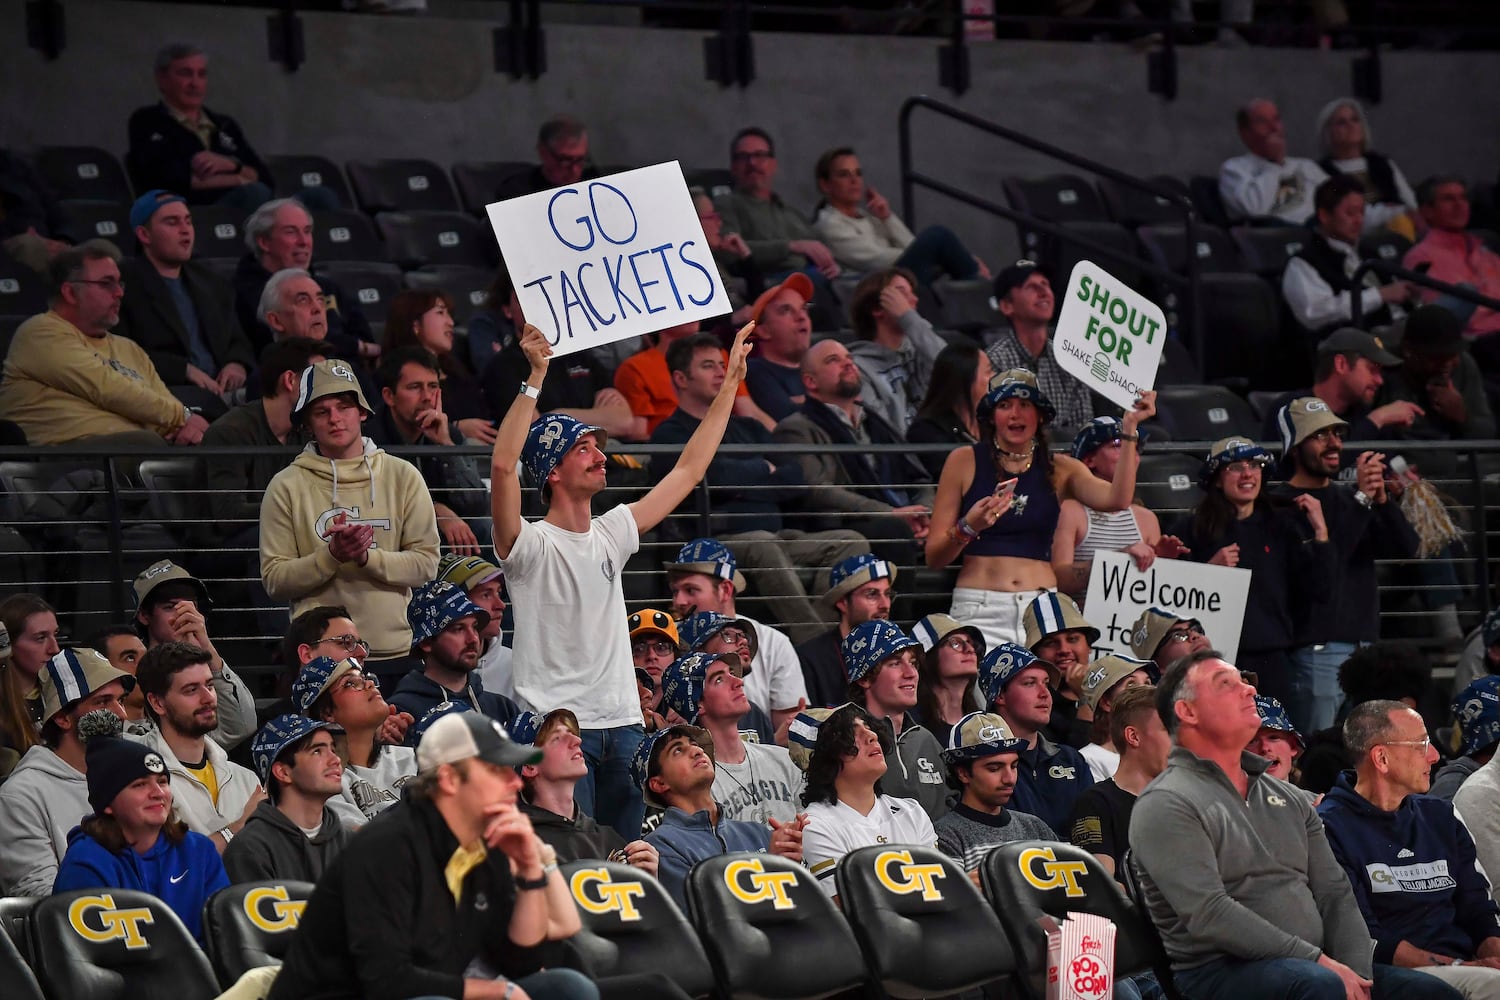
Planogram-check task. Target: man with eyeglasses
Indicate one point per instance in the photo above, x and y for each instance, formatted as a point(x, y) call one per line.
point(562, 152)
point(860, 589)
point(1163, 636)
point(1409, 856)
point(780, 239)
point(1364, 524)
point(68, 380)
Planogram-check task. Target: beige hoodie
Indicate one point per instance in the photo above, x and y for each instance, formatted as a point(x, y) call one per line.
point(375, 489)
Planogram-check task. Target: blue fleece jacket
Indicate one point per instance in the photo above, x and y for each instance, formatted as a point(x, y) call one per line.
point(684, 839)
point(1414, 872)
point(181, 875)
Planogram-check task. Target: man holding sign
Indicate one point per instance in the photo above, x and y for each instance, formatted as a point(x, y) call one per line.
point(564, 573)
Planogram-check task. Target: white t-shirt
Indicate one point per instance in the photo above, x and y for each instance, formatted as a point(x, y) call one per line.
point(495, 670)
point(1102, 762)
point(571, 648)
point(834, 830)
point(775, 678)
point(765, 785)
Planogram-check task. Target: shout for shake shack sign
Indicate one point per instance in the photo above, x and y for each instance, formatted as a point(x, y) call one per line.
point(1109, 336)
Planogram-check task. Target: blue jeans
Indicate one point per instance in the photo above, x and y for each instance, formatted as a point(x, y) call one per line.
point(1300, 979)
point(1313, 691)
point(553, 984)
point(607, 793)
point(936, 251)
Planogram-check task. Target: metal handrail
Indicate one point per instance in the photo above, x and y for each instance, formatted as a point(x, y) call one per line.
point(1461, 292)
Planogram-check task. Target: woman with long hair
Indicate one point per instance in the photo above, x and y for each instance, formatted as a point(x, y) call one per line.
point(424, 318)
point(946, 675)
point(31, 625)
point(998, 500)
point(1284, 543)
point(132, 840)
point(961, 376)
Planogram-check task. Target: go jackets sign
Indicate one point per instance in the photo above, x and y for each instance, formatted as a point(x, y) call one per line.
point(1109, 336)
point(606, 259)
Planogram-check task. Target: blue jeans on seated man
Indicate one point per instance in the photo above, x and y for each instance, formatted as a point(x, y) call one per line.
point(937, 251)
point(1300, 979)
point(1313, 691)
point(607, 793)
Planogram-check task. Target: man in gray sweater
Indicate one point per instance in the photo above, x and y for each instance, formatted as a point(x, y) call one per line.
point(1236, 871)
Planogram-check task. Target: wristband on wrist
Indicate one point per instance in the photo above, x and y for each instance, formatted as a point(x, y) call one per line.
point(957, 536)
point(968, 532)
point(527, 389)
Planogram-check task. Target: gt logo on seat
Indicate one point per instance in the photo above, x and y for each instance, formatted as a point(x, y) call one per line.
point(285, 913)
point(762, 885)
point(593, 890)
point(113, 924)
point(919, 878)
point(1054, 874)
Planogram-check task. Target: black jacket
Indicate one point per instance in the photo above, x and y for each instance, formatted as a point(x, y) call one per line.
point(149, 317)
point(270, 846)
point(382, 925)
point(747, 495)
point(822, 659)
point(26, 202)
point(418, 695)
point(576, 839)
point(347, 325)
point(162, 149)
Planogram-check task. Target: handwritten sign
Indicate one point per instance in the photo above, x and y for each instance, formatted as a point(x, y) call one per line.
point(1118, 593)
point(606, 259)
point(1109, 336)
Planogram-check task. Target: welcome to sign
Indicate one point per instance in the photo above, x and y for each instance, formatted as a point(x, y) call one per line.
point(1119, 592)
point(603, 260)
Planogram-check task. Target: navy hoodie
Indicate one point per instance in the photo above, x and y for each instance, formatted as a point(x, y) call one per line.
point(1414, 872)
point(418, 695)
point(1049, 779)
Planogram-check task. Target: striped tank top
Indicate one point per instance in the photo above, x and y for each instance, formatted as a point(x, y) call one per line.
point(1109, 531)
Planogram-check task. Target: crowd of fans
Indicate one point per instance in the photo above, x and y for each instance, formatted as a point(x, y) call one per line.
point(139, 752)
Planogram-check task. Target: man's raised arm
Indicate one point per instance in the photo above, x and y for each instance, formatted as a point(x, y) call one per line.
point(505, 487)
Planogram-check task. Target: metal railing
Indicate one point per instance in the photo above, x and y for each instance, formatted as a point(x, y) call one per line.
point(1389, 270)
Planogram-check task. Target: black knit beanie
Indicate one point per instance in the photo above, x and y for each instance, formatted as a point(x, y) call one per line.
point(113, 762)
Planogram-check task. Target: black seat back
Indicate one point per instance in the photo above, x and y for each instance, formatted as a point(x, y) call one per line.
point(296, 172)
point(20, 982)
point(250, 925)
point(1133, 207)
point(478, 182)
point(440, 239)
point(23, 292)
point(769, 930)
point(97, 220)
point(1205, 413)
point(923, 927)
point(1241, 335)
point(631, 926)
point(401, 185)
point(84, 173)
point(218, 233)
point(373, 285)
point(117, 944)
point(1266, 249)
point(1168, 484)
point(1212, 246)
point(15, 918)
point(345, 235)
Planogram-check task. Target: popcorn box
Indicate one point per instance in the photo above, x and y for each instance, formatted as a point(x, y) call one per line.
point(1080, 958)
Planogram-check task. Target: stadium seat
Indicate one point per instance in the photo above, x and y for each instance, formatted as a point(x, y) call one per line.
point(1260, 400)
point(372, 285)
point(23, 292)
point(1177, 365)
point(1056, 198)
point(965, 305)
point(1132, 207)
point(20, 982)
point(769, 930)
point(1029, 880)
point(468, 287)
point(1165, 247)
point(1384, 245)
point(1204, 191)
point(407, 185)
point(1267, 249)
point(1061, 255)
point(452, 239)
point(117, 944)
point(924, 928)
point(83, 173)
point(249, 925)
point(345, 235)
point(478, 182)
point(173, 492)
point(715, 180)
point(1205, 413)
point(296, 172)
point(90, 220)
point(1168, 483)
point(1241, 336)
point(631, 926)
point(15, 920)
point(218, 233)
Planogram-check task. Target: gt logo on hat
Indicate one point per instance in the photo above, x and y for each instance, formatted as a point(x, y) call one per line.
point(286, 912)
point(918, 878)
point(114, 924)
point(597, 893)
point(1054, 874)
point(762, 885)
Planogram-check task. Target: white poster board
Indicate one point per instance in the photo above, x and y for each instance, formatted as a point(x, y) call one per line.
point(1118, 593)
point(1109, 336)
point(611, 258)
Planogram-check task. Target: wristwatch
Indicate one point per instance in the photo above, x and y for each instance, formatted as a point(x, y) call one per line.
point(527, 389)
point(1363, 499)
point(531, 885)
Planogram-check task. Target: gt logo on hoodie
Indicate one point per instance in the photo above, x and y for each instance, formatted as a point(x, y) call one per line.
point(351, 516)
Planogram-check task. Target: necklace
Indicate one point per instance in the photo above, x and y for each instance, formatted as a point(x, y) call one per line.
point(1002, 456)
point(749, 763)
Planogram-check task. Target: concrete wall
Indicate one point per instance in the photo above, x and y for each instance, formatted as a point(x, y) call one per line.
point(424, 86)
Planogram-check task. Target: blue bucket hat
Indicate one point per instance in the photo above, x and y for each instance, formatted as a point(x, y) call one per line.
point(526, 727)
point(436, 605)
point(1016, 383)
point(848, 576)
point(436, 712)
point(1099, 432)
point(979, 735)
point(1476, 711)
point(1228, 451)
point(1004, 663)
point(682, 682)
point(643, 764)
point(275, 736)
point(704, 625)
point(549, 439)
point(870, 644)
point(710, 557)
point(1273, 716)
point(1490, 630)
point(317, 676)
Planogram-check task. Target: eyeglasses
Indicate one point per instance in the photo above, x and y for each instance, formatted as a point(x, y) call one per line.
point(1423, 743)
point(348, 643)
point(1327, 434)
point(959, 643)
point(568, 161)
point(757, 155)
point(872, 594)
point(108, 284)
point(355, 681)
point(734, 635)
point(1183, 634)
point(658, 646)
point(1244, 465)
